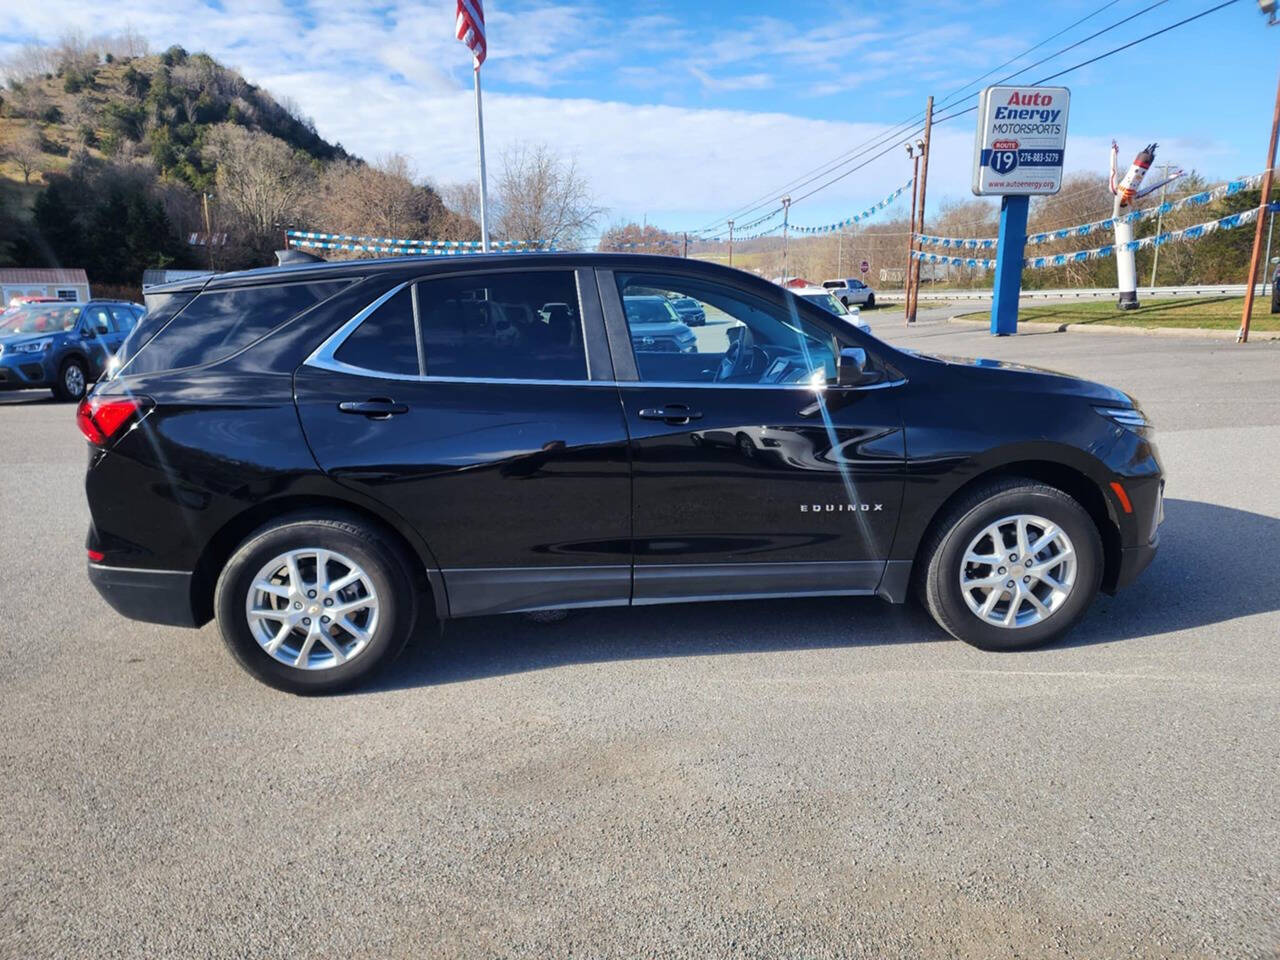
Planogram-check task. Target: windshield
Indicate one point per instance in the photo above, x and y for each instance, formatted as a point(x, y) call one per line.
point(646, 310)
point(685, 303)
point(39, 318)
point(827, 302)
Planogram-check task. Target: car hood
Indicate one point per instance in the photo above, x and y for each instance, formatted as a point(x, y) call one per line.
point(1002, 374)
point(13, 339)
point(664, 328)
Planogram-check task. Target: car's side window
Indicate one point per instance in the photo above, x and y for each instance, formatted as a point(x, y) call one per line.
point(384, 342)
point(124, 318)
point(508, 326)
point(733, 337)
point(98, 320)
point(493, 326)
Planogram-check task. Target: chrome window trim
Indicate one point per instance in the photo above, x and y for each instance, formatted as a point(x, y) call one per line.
point(322, 358)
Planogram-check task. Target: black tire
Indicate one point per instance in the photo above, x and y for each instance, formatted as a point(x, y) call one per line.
point(871, 301)
point(1275, 298)
point(942, 554)
point(60, 389)
point(385, 565)
point(746, 448)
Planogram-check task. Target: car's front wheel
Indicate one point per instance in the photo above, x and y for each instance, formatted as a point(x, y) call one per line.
point(871, 300)
point(1015, 564)
point(73, 380)
point(315, 604)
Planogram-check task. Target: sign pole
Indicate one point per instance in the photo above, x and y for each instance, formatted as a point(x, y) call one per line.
point(484, 187)
point(731, 243)
point(1009, 254)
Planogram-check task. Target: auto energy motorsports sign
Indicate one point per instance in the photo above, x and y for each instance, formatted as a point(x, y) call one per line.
point(1022, 136)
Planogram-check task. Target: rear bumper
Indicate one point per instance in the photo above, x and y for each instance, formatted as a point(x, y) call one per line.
point(155, 596)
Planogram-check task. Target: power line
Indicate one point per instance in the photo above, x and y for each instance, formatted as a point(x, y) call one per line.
point(895, 132)
point(1053, 76)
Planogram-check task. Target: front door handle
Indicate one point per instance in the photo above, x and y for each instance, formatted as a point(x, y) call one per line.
point(674, 414)
point(375, 408)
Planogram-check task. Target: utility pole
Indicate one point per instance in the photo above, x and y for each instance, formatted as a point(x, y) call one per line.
point(786, 221)
point(1155, 257)
point(1243, 336)
point(1266, 261)
point(911, 228)
point(924, 182)
point(208, 229)
point(731, 243)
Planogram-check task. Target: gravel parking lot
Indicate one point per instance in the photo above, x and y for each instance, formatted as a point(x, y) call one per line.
point(816, 778)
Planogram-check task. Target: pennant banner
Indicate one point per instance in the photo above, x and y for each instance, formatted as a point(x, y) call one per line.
point(435, 244)
point(409, 251)
point(1084, 229)
point(858, 217)
point(1098, 253)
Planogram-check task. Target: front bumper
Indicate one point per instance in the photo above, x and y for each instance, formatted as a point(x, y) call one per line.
point(1134, 560)
point(24, 371)
point(154, 596)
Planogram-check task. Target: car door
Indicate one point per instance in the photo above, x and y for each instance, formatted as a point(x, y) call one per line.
point(479, 406)
point(753, 474)
point(97, 336)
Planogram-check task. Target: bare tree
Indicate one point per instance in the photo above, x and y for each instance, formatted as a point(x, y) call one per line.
point(381, 200)
point(543, 197)
point(26, 150)
point(260, 178)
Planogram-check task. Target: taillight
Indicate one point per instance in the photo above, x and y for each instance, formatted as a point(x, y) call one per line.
point(102, 419)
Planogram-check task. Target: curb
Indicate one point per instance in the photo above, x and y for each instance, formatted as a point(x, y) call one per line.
point(1035, 326)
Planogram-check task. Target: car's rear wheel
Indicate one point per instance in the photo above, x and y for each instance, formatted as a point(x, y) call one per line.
point(1013, 565)
point(315, 604)
point(73, 380)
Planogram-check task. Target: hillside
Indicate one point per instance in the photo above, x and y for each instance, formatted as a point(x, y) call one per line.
point(107, 161)
point(160, 106)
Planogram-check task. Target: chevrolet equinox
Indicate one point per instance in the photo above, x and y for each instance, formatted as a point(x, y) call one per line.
point(318, 454)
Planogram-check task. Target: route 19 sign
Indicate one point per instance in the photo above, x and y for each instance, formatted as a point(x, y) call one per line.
point(1022, 136)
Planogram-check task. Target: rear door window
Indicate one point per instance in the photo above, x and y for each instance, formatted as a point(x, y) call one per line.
point(501, 326)
point(218, 323)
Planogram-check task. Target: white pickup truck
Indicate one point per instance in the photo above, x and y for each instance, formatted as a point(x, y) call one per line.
point(850, 291)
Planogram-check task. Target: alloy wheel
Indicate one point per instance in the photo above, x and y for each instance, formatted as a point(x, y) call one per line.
point(1018, 571)
point(73, 380)
point(312, 608)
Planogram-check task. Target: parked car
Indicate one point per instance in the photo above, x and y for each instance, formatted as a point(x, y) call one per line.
point(827, 301)
point(851, 290)
point(317, 455)
point(656, 327)
point(62, 346)
point(690, 311)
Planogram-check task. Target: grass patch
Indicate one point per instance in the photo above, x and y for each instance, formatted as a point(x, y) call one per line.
point(1211, 313)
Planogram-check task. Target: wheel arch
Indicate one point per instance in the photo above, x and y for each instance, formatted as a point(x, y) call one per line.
point(1070, 479)
point(219, 548)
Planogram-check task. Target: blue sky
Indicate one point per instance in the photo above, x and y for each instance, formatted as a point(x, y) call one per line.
point(682, 112)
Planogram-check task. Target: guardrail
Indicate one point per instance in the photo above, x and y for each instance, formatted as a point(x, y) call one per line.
point(1093, 293)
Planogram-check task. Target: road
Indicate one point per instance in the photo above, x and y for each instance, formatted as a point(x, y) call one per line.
point(817, 778)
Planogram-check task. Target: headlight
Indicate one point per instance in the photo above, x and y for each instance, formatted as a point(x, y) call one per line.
point(1125, 416)
point(35, 346)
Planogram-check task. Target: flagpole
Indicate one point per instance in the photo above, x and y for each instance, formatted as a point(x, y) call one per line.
point(484, 187)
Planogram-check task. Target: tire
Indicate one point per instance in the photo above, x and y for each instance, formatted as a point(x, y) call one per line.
point(73, 369)
point(871, 301)
point(746, 448)
point(1275, 298)
point(386, 582)
point(943, 564)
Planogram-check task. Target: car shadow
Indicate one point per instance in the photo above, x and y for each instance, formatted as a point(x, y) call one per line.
point(1183, 589)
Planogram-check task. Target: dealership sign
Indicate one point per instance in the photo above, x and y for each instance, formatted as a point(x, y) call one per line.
point(1022, 136)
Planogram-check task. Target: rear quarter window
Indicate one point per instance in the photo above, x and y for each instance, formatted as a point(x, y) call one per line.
point(218, 323)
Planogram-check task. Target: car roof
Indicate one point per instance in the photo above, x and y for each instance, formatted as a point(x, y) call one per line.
point(426, 265)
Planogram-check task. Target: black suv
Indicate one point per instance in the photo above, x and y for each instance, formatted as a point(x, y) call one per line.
point(318, 454)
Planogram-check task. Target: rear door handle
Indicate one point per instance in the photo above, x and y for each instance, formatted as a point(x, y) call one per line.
point(375, 408)
point(673, 413)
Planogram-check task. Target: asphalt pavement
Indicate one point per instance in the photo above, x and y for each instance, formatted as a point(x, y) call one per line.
point(809, 778)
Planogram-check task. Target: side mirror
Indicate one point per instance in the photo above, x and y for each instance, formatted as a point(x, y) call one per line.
point(851, 368)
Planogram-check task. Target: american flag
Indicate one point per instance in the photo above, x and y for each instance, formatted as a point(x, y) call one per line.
point(471, 28)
